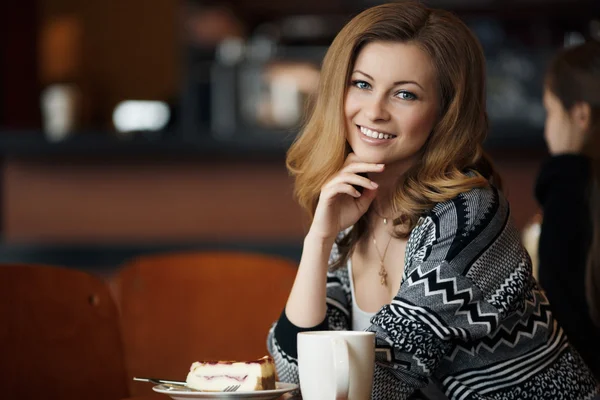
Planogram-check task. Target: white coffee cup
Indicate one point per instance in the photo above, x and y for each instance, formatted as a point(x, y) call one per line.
point(336, 365)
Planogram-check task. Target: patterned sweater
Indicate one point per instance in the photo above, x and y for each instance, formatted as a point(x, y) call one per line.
point(469, 316)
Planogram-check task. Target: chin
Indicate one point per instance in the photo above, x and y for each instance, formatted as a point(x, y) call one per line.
point(368, 155)
point(370, 158)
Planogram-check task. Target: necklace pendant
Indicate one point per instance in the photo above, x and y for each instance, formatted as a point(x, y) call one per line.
point(382, 271)
point(383, 275)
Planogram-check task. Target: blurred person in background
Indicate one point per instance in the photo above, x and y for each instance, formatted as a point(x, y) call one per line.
point(567, 189)
point(411, 237)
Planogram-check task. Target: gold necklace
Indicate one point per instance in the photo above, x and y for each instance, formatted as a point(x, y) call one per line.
point(382, 270)
point(385, 219)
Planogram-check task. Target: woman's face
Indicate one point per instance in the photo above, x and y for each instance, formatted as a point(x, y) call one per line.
point(391, 103)
point(564, 131)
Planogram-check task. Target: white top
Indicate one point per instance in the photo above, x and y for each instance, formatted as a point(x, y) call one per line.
point(361, 320)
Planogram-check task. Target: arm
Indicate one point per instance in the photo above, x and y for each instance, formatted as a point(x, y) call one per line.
point(339, 207)
point(306, 304)
point(317, 300)
point(440, 301)
point(281, 341)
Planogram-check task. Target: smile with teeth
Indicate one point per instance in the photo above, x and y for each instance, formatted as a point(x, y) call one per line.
point(374, 134)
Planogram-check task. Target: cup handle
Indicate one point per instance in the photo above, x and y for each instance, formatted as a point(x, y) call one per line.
point(341, 367)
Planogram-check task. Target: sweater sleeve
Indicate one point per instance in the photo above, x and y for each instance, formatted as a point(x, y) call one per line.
point(439, 301)
point(282, 337)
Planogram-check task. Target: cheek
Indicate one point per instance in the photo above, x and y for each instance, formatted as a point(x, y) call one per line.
point(549, 119)
point(556, 118)
point(419, 123)
point(351, 106)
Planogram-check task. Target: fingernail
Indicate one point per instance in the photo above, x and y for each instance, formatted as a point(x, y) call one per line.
point(375, 185)
point(381, 165)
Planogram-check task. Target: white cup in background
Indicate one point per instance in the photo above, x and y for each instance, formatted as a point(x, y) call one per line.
point(59, 104)
point(335, 365)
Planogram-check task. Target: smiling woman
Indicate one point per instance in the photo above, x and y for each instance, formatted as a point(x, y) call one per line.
point(396, 135)
point(382, 64)
point(391, 105)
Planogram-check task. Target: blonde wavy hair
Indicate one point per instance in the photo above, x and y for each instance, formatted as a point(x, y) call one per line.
point(453, 148)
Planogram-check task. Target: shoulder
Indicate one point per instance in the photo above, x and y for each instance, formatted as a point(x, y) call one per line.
point(478, 215)
point(467, 209)
point(469, 214)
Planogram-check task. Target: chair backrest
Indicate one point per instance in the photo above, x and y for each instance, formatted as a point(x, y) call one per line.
point(186, 307)
point(59, 336)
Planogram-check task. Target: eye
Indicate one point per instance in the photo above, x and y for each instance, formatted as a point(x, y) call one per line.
point(361, 84)
point(405, 95)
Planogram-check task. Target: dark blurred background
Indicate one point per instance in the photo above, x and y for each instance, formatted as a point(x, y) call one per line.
point(139, 126)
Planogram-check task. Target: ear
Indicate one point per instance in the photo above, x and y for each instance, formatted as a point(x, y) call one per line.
point(581, 115)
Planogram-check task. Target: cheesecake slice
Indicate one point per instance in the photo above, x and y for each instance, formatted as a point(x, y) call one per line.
point(217, 375)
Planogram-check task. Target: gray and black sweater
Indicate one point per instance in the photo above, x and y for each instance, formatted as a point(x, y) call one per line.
point(468, 317)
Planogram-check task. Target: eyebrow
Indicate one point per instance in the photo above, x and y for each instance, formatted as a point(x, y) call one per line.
point(395, 83)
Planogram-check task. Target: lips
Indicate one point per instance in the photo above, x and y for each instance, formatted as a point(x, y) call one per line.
point(373, 134)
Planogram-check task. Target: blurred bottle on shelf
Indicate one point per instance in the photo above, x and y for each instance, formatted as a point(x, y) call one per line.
point(208, 26)
point(59, 106)
point(61, 100)
point(264, 84)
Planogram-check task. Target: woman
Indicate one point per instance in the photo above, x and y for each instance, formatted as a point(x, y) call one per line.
point(410, 237)
point(566, 185)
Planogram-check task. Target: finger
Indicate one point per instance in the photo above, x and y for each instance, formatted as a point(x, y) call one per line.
point(341, 188)
point(359, 167)
point(354, 179)
point(351, 158)
point(365, 200)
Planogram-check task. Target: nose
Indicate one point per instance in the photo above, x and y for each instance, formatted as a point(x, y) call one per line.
point(376, 108)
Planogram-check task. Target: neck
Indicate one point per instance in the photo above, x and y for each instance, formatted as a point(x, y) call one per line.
point(388, 181)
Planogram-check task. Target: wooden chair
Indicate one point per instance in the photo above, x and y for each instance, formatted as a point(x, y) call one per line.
point(181, 308)
point(59, 336)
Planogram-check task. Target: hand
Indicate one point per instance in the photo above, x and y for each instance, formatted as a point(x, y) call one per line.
point(340, 204)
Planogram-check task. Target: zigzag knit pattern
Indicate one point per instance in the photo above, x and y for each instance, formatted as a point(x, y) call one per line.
point(469, 317)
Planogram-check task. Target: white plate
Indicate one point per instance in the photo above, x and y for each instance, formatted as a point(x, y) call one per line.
point(281, 388)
